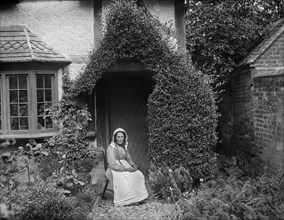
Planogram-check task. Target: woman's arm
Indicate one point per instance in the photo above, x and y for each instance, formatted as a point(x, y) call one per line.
point(112, 160)
point(130, 161)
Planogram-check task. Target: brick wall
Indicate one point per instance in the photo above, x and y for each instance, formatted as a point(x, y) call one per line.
point(226, 120)
point(269, 121)
point(256, 106)
point(242, 111)
point(236, 108)
point(273, 57)
point(268, 106)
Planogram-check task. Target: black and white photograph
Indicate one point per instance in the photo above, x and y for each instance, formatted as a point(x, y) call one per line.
point(141, 110)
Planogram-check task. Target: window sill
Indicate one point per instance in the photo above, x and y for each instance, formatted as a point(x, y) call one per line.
point(28, 136)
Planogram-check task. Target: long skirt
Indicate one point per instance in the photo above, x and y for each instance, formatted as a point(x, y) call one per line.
point(128, 187)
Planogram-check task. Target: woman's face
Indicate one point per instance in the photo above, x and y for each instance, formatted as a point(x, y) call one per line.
point(119, 138)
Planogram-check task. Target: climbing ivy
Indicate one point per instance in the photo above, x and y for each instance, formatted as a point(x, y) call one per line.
point(182, 114)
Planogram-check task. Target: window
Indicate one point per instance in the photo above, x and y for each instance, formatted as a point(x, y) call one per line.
point(18, 102)
point(25, 98)
point(44, 100)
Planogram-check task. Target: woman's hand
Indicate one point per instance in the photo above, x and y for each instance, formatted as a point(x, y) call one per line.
point(130, 169)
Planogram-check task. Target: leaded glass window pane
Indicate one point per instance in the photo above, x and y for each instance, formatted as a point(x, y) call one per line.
point(44, 100)
point(18, 102)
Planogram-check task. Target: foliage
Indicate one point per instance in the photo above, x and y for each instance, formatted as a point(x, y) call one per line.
point(72, 177)
point(72, 121)
point(232, 199)
point(84, 165)
point(221, 33)
point(181, 110)
point(42, 200)
point(167, 183)
point(46, 202)
point(69, 160)
point(14, 164)
point(182, 121)
point(87, 198)
point(16, 192)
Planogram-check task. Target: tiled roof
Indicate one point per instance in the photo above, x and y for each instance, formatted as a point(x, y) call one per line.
point(18, 44)
point(276, 30)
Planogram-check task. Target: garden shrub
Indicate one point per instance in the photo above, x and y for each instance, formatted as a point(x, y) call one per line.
point(72, 121)
point(261, 198)
point(44, 201)
point(169, 184)
point(69, 159)
point(181, 114)
point(182, 121)
point(87, 198)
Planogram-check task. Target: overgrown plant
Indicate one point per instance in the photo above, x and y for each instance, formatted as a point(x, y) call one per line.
point(42, 200)
point(221, 33)
point(182, 114)
point(235, 199)
point(169, 184)
point(72, 120)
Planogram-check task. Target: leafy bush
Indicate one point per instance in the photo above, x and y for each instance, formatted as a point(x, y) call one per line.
point(43, 201)
point(235, 199)
point(49, 165)
point(181, 116)
point(69, 159)
point(87, 198)
point(167, 183)
point(182, 121)
point(221, 33)
point(84, 164)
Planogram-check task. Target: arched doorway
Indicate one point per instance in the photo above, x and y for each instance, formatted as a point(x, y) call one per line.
point(121, 101)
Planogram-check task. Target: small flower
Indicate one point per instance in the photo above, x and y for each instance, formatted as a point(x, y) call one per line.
point(201, 180)
point(39, 145)
point(63, 156)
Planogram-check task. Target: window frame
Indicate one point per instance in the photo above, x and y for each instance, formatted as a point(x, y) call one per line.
point(1, 103)
point(33, 131)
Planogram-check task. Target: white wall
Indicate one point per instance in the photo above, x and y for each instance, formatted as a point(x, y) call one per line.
point(66, 26)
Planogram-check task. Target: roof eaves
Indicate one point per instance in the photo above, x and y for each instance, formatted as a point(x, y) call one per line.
point(264, 45)
point(32, 54)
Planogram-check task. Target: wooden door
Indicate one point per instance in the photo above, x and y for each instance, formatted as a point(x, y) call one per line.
point(128, 110)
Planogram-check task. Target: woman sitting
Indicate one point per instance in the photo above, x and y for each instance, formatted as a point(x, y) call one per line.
point(128, 182)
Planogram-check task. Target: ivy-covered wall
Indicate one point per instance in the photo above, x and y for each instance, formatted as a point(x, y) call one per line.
point(182, 114)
